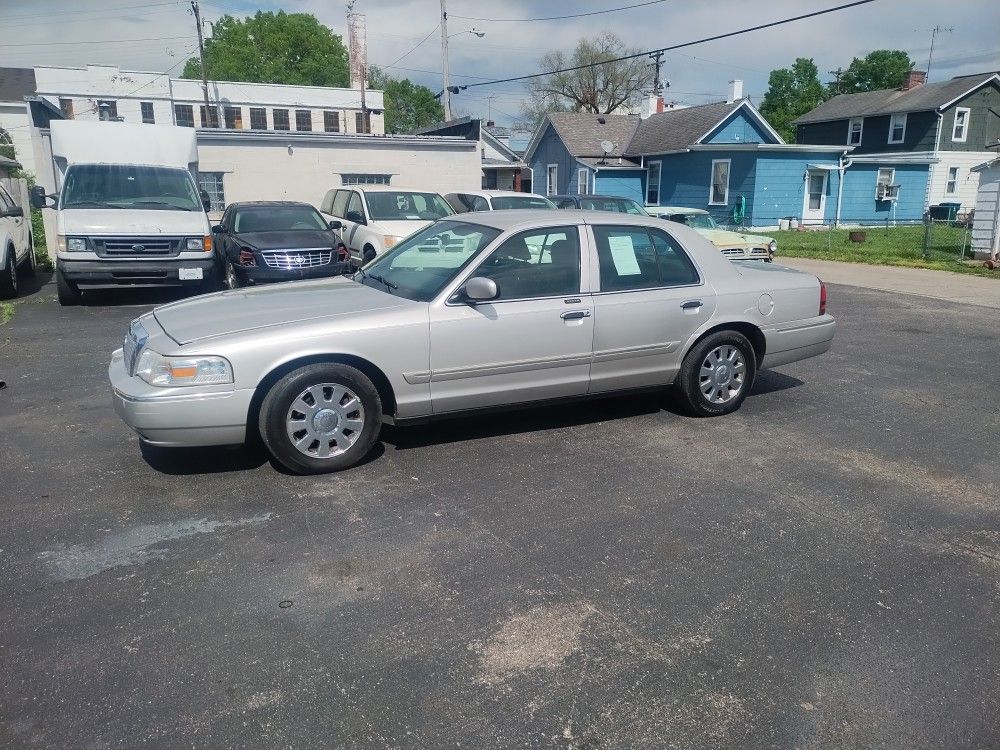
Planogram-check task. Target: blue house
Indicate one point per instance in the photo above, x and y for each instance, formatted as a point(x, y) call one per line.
point(723, 157)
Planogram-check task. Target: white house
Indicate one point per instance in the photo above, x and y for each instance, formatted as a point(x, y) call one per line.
point(986, 221)
point(15, 126)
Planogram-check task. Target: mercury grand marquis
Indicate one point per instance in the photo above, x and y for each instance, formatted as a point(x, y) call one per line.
point(484, 310)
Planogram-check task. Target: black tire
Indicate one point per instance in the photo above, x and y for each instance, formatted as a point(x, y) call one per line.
point(690, 383)
point(367, 255)
point(68, 294)
point(31, 265)
point(230, 280)
point(275, 411)
point(8, 276)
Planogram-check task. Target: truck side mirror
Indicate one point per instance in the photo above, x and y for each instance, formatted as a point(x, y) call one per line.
point(336, 224)
point(206, 201)
point(38, 198)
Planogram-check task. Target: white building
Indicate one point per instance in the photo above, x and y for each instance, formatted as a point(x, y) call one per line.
point(15, 126)
point(986, 220)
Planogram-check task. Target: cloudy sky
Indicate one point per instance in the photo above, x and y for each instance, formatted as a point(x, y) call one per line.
point(158, 35)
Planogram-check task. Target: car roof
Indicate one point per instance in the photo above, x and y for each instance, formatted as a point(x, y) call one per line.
point(505, 220)
point(385, 189)
point(497, 193)
point(263, 204)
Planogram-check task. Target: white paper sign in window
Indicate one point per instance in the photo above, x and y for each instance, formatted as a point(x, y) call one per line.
point(623, 255)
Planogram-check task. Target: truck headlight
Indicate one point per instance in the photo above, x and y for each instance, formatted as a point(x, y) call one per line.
point(200, 243)
point(159, 370)
point(71, 244)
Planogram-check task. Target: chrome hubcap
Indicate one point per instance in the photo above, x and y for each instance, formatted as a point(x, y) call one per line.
point(230, 275)
point(723, 374)
point(325, 420)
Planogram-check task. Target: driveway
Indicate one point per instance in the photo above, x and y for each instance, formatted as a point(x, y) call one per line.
point(819, 570)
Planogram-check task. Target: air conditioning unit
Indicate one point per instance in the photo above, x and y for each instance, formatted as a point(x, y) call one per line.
point(885, 192)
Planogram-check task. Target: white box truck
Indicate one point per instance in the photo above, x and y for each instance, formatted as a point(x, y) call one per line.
point(129, 211)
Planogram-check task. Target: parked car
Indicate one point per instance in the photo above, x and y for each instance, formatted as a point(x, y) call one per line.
point(495, 200)
point(612, 203)
point(16, 245)
point(264, 241)
point(605, 303)
point(373, 218)
point(734, 245)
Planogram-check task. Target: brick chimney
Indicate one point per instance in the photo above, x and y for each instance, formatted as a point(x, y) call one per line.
point(912, 79)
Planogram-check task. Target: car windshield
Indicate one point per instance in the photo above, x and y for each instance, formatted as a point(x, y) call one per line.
point(127, 186)
point(695, 221)
point(504, 202)
point(421, 265)
point(277, 219)
point(614, 205)
point(406, 206)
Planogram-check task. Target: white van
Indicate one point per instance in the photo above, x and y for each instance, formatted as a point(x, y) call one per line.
point(129, 210)
point(373, 218)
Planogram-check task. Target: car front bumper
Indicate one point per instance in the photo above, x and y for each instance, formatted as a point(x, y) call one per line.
point(112, 274)
point(184, 417)
point(267, 275)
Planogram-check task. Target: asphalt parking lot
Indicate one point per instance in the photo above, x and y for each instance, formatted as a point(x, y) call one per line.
point(819, 570)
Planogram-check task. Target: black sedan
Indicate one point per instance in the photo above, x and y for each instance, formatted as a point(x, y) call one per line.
point(267, 241)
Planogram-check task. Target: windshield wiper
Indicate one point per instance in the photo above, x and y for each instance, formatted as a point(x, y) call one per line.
point(90, 204)
point(388, 284)
point(161, 203)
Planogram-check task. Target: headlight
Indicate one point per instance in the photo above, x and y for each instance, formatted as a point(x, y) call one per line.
point(156, 369)
point(71, 244)
point(389, 240)
point(200, 243)
point(772, 246)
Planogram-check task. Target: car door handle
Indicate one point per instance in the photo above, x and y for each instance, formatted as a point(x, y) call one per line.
point(575, 314)
point(691, 304)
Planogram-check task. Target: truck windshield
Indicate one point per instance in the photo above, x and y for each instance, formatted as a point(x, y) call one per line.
point(406, 206)
point(129, 186)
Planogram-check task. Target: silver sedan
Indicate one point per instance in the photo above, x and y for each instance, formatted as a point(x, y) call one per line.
point(484, 310)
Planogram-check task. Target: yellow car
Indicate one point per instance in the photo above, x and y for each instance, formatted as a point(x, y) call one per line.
point(732, 244)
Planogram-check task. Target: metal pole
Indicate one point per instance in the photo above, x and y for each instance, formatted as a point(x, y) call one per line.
point(204, 74)
point(446, 96)
point(927, 234)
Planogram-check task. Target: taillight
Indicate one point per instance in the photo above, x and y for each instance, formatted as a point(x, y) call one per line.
point(247, 259)
point(822, 298)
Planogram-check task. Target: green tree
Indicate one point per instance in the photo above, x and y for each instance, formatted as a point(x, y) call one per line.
point(791, 92)
point(408, 106)
point(881, 69)
point(288, 48)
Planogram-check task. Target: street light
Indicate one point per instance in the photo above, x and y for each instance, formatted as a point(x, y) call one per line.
point(475, 31)
point(445, 76)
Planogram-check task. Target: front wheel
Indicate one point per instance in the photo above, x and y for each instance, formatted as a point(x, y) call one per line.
point(717, 374)
point(321, 418)
point(232, 280)
point(68, 294)
point(8, 276)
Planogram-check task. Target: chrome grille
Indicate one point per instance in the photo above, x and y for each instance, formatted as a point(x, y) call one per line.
point(135, 339)
point(734, 252)
point(291, 260)
point(137, 246)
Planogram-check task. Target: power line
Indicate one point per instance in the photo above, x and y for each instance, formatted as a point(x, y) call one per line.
point(414, 48)
point(101, 41)
point(677, 46)
point(559, 18)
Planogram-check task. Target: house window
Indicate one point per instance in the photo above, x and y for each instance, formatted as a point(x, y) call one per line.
point(719, 194)
point(281, 119)
point(234, 117)
point(960, 129)
point(108, 105)
point(147, 112)
point(653, 183)
point(212, 119)
point(359, 123)
point(855, 128)
point(211, 183)
point(897, 128)
point(331, 122)
point(303, 119)
point(66, 105)
point(184, 115)
point(951, 186)
point(258, 118)
point(552, 179)
point(582, 181)
point(365, 179)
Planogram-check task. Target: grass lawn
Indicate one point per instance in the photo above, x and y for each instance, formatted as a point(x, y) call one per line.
point(887, 246)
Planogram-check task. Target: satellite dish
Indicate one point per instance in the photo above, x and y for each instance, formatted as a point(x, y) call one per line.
point(607, 147)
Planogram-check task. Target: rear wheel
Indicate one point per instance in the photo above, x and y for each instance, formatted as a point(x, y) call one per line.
point(717, 374)
point(31, 264)
point(320, 418)
point(68, 293)
point(8, 276)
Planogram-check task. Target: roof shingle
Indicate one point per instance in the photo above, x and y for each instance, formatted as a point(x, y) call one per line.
point(677, 129)
point(16, 83)
point(582, 132)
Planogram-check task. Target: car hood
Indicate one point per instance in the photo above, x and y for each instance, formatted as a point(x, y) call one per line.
point(290, 240)
point(129, 222)
point(242, 310)
point(402, 228)
point(723, 238)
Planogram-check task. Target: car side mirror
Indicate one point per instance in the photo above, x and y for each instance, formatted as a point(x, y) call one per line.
point(356, 217)
point(218, 229)
point(38, 197)
point(206, 201)
point(14, 212)
point(336, 224)
point(480, 289)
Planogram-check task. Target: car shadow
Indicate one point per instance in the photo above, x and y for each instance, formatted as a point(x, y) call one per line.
point(137, 296)
point(209, 460)
point(771, 381)
point(29, 286)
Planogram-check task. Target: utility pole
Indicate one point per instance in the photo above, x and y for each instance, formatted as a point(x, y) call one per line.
point(838, 73)
point(934, 32)
point(657, 58)
point(446, 96)
point(204, 75)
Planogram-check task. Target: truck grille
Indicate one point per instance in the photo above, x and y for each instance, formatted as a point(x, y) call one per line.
point(290, 260)
point(132, 247)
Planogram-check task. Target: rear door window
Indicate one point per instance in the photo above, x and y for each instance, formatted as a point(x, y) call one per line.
point(640, 258)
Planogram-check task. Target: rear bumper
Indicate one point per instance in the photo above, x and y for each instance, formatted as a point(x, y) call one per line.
point(267, 275)
point(111, 274)
point(800, 339)
point(164, 417)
